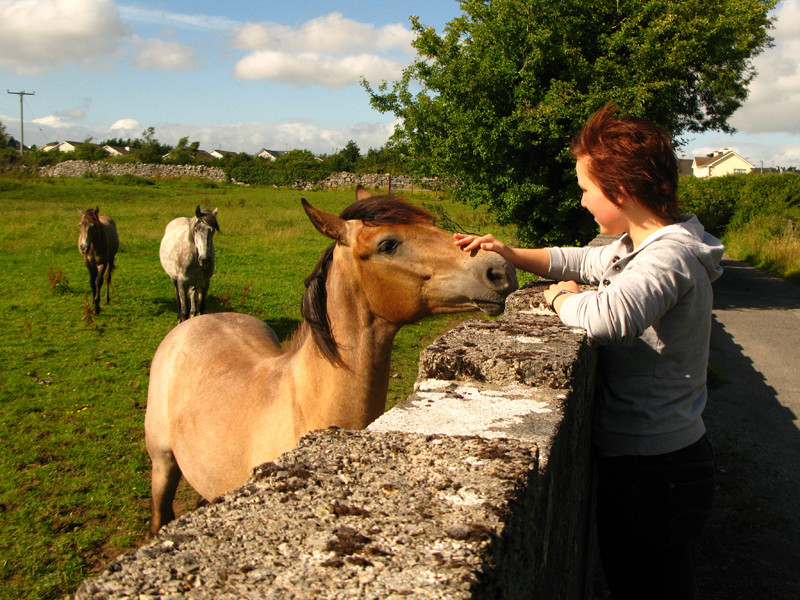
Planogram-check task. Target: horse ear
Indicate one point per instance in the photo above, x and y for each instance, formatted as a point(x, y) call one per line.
point(362, 193)
point(197, 212)
point(215, 212)
point(327, 224)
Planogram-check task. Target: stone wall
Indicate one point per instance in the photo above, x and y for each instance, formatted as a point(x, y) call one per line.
point(478, 486)
point(79, 168)
point(373, 181)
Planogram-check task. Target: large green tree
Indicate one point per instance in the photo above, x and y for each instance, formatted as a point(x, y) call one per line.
point(495, 99)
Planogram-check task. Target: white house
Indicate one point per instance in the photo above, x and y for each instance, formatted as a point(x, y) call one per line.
point(62, 147)
point(722, 162)
point(271, 155)
point(221, 153)
point(117, 150)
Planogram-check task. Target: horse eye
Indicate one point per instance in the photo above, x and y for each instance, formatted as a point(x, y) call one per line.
point(388, 246)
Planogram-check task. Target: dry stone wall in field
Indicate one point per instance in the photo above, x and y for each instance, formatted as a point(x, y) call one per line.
point(79, 168)
point(478, 486)
point(375, 181)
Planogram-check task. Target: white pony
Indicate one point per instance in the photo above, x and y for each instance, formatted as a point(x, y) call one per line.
point(187, 255)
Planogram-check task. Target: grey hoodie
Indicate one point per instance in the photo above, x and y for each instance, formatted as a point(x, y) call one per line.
point(652, 315)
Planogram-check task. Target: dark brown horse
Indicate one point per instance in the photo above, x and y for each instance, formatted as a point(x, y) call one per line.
point(98, 243)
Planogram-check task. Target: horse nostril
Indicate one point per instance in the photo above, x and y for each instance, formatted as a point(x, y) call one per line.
point(495, 275)
point(502, 279)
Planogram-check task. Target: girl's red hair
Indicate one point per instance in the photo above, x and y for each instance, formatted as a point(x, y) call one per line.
point(632, 157)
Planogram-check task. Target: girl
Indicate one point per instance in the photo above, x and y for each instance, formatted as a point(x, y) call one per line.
point(651, 315)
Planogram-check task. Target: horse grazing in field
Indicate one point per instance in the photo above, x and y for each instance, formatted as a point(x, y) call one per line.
point(225, 398)
point(187, 255)
point(98, 242)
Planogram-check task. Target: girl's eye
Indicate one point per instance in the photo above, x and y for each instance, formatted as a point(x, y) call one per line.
point(388, 246)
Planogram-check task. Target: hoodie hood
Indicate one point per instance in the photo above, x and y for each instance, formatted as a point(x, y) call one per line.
point(688, 230)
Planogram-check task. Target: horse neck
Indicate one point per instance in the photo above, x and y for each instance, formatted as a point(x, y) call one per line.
point(355, 395)
point(98, 243)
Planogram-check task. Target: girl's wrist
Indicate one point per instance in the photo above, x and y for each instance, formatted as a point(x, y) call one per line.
point(556, 296)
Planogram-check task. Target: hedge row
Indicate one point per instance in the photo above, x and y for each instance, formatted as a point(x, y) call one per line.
point(723, 203)
point(266, 175)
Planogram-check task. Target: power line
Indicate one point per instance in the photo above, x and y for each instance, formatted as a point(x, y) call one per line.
point(21, 120)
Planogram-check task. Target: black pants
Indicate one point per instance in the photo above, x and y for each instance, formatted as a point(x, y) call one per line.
point(650, 509)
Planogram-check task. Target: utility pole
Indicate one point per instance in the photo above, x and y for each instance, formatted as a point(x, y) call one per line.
point(21, 121)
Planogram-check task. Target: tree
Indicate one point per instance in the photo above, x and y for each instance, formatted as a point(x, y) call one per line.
point(184, 153)
point(88, 150)
point(495, 99)
point(148, 149)
point(346, 159)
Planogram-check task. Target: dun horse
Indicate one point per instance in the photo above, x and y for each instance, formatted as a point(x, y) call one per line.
point(224, 397)
point(98, 242)
point(187, 255)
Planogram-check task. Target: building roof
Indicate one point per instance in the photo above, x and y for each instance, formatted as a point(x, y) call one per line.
point(718, 156)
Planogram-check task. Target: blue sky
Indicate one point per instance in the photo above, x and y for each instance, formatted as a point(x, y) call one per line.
point(252, 74)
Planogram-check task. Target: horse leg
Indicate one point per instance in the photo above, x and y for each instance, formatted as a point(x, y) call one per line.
point(98, 293)
point(193, 292)
point(166, 475)
point(109, 269)
point(93, 283)
point(202, 292)
point(182, 290)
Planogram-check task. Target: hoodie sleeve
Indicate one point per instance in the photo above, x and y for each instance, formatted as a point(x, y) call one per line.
point(633, 296)
point(584, 265)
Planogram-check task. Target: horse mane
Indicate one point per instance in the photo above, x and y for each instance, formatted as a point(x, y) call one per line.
point(373, 211)
point(209, 218)
point(92, 215)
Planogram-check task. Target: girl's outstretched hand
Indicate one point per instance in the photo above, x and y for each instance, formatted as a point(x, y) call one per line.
point(469, 242)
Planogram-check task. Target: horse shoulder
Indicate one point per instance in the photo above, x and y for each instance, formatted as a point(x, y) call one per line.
point(213, 373)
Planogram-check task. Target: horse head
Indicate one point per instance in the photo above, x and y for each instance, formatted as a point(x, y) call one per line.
point(202, 231)
point(88, 227)
point(404, 266)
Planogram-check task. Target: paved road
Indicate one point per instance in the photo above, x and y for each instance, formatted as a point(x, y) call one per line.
point(752, 546)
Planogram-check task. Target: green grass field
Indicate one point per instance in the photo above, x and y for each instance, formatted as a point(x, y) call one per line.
point(74, 484)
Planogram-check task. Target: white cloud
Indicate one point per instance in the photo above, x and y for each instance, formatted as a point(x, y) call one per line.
point(53, 121)
point(251, 137)
point(37, 35)
point(125, 125)
point(330, 51)
point(332, 33)
point(164, 56)
point(775, 92)
point(238, 137)
point(309, 68)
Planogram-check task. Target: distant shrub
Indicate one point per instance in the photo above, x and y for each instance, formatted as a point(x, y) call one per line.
point(735, 200)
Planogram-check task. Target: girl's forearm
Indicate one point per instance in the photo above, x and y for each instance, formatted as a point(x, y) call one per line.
point(535, 260)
